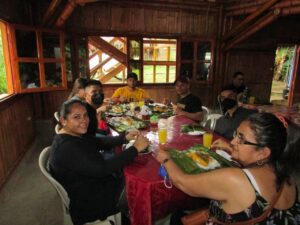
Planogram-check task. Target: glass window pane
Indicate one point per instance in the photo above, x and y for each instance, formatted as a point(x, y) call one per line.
point(118, 79)
point(162, 52)
point(173, 53)
point(187, 50)
point(29, 75)
point(186, 69)
point(204, 51)
point(148, 74)
point(159, 52)
point(51, 47)
point(82, 49)
point(134, 49)
point(148, 52)
point(161, 74)
point(135, 67)
point(26, 43)
point(202, 71)
point(3, 84)
point(172, 74)
point(53, 74)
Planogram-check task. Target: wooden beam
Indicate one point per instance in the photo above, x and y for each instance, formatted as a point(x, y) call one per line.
point(263, 22)
point(249, 19)
point(291, 10)
point(66, 13)
point(107, 48)
point(50, 11)
point(111, 74)
point(93, 70)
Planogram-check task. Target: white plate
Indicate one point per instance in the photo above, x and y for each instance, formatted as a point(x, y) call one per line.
point(224, 154)
point(130, 143)
point(195, 132)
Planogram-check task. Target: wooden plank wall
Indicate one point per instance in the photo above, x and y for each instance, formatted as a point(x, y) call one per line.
point(16, 132)
point(142, 20)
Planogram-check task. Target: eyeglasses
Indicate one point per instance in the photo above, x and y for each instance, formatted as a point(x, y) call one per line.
point(242, 141)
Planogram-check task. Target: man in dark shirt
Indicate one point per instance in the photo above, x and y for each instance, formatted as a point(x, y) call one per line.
point(233, 115)
point(237, 83)
point(94, 99)
point(188, 104)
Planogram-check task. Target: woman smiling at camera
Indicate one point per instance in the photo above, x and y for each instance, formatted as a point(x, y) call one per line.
point(267, 148)
point(92, 183)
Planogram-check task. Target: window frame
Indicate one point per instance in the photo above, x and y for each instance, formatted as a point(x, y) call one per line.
point(40, 59)
point(195, 61)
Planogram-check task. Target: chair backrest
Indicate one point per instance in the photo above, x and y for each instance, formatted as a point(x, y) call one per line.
point(57, 128)
point(212, 120)
point(43, 164)
point(56, 116)
point(206, 112)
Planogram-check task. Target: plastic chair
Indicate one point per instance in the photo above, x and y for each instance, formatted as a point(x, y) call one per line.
point(56, 116)
point(212, 120)
point(43, 164)
point(44, 167)
point(57, 128)
point(206, 112)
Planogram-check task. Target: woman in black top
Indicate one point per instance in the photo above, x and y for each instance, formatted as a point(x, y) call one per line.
point(92, 183)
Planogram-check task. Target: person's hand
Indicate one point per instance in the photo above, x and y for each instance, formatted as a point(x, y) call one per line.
point(162, 154)
point(131, 135)
point(102, 109)
point(122, 99)
point(222, 145)
point(141, 143)
point(177, 110)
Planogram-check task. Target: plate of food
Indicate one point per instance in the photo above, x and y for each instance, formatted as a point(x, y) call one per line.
point(130, 143)
point(125, 123)
point(192, 129)
point(198, 159)
point(117, 110)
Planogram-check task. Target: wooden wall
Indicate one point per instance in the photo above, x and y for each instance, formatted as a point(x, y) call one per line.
point(142, 20)
point(16, 132)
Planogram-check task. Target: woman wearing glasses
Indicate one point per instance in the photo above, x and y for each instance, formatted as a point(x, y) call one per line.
point(267, 148)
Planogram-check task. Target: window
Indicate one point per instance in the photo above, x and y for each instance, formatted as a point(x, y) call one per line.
point(152, 59)
point(5, 73)
point(196, 59)
point(39, 60)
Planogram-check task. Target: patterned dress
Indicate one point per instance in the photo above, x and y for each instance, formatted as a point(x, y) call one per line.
point(290, 216)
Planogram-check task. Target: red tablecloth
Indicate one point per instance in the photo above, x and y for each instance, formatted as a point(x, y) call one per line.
point(148, 198)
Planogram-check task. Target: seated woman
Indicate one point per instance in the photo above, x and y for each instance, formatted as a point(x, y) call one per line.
point(268, 150)
point(92, 183)
point(78, 89)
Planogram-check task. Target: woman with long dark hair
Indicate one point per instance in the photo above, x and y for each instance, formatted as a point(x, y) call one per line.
point(267, 148)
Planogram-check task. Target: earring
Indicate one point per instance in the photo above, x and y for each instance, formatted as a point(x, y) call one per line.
point(260, 162)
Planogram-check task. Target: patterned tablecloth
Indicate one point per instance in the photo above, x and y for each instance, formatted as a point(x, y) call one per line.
point(148, 198)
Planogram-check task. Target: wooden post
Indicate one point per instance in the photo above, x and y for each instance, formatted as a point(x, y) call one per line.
point(50, 11)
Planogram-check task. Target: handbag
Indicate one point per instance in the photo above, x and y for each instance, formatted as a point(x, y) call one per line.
point(196, 218)
point(200, 217)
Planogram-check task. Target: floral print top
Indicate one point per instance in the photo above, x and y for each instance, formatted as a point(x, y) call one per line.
point(290, 216)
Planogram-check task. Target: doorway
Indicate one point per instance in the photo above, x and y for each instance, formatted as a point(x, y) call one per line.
point(283, 74)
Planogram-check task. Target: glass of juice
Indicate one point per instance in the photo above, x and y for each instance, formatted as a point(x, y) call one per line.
point(207, 139)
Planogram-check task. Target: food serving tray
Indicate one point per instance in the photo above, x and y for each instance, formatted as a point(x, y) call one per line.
point(125, 123)
point(198, 159)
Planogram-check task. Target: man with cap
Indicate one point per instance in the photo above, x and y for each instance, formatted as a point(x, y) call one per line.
point(130, 93)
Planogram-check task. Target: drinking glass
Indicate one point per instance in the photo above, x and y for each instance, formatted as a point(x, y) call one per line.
point(207, 139)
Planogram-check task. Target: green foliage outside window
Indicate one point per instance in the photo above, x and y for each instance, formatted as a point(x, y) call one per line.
point(3, 85)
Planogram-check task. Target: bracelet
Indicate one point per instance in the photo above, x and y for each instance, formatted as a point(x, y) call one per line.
point(165, 161)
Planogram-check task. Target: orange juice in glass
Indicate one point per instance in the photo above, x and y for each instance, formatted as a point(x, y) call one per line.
point(162, 135)
point(207, 139)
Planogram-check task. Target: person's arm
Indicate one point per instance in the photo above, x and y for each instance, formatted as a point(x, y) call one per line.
point(197, 116)
point(210, 185)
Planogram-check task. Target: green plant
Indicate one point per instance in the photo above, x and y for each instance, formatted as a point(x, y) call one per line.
point(3, 85)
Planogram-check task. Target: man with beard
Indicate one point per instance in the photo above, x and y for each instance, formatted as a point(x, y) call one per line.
point(94, 98)
point(233, 115)
point(130, 93)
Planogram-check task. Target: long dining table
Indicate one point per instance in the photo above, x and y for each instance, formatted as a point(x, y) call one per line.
point(149, 199)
